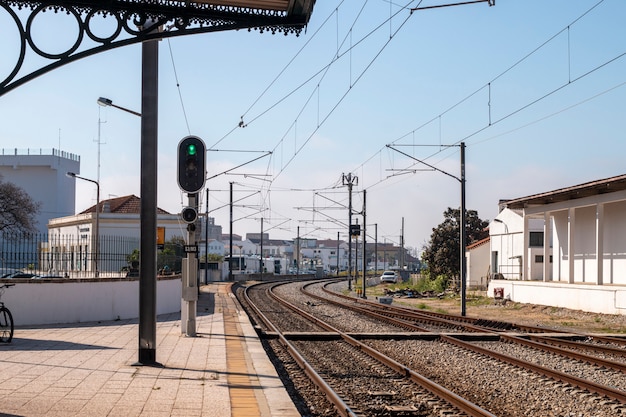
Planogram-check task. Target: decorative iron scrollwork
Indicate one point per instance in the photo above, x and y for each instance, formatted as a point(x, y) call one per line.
point(135, 21)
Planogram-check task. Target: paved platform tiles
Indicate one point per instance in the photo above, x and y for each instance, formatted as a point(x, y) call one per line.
point(87, 369)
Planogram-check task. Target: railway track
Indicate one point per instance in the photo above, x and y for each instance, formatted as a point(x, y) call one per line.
point(377, 371)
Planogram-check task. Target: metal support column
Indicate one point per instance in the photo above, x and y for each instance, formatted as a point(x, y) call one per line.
point(463, 232)
point(148, 209)
point(189, 292)
point(364, 248)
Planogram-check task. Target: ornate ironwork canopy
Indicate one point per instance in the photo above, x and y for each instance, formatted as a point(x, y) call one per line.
point(139, 20)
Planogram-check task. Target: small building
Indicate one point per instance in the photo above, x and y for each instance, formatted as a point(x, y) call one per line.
point(478, 267)
point(577, 259)
point(327, 253)
point(71, 245)
point(215, 247)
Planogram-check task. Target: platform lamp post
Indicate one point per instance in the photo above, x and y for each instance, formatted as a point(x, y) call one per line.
point(97, 240)
point(105, 102)
point(108, 102)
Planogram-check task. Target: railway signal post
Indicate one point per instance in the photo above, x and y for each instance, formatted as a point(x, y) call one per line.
point(191, 179)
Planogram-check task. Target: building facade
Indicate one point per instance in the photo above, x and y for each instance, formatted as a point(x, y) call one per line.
point(101, 241)
point(42, 174)
point(580, 262)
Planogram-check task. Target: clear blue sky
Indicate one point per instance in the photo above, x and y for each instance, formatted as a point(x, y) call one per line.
point(539, 107)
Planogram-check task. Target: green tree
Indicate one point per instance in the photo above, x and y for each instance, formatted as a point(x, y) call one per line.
point(17, 209)
point(170, 258)
point(442, 253)
point(214, 257)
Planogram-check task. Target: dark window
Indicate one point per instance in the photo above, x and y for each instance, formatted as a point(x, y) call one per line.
point(538, 259)
point(535, 239)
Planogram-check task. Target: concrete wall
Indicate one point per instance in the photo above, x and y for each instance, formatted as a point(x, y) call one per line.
point(34, 302)
point(41, 173)
point(478, 261)
point(606, 299)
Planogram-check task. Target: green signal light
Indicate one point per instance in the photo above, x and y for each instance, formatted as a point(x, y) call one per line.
point(191, 150)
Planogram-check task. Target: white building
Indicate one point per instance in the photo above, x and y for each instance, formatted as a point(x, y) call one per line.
point(71, 239)
point(42, 174)
point(583, 232)
point(326, 253)
point(215, 247)
point(478, 267)
point(506, 234)
point(240, 247)
point(277, 248)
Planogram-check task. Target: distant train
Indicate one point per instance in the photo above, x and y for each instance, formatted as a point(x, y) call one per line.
point(251, 264)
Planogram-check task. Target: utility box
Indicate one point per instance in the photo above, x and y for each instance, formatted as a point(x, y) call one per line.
point(498, 293)
point(385, 300)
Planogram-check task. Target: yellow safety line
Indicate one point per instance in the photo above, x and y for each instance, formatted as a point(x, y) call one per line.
point(242, 396)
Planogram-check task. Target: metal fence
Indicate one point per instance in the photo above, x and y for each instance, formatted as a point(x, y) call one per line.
point(71, 256)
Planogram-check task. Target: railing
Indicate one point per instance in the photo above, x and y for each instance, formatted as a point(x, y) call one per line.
point(40, 151)
point(71, 256)
point(509, 271)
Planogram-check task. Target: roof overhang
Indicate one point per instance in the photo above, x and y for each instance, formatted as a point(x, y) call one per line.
point(588, 189)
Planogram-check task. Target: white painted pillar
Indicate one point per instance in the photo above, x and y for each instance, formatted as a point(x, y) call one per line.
point(600, 243)
point(547, 238)
point(526, 264)
point(571, 227)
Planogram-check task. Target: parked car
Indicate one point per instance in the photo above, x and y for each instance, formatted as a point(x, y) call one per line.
point(389, 276)
point(6, 273)
point(20, 274)
point(48, 276)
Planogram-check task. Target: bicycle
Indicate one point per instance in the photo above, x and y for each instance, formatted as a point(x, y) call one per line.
point(6, 319)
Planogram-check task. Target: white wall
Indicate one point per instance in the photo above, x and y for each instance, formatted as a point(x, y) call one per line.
point(614, 271)
point(74, 301)
point(42, 175)
point(507, 239)
point(595, 299)
point(478, 266)
point(584, 250)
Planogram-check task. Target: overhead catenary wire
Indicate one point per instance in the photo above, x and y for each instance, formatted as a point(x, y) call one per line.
point(489, 85)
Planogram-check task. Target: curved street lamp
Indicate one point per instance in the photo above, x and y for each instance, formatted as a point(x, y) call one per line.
point(104, 102)
point(97, 241)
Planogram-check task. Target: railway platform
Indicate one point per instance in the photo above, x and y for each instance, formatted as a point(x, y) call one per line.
point(87, 369)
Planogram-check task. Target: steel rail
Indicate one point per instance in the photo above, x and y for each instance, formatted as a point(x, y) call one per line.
point(578, 345)
point(380, 309)
point(618, 366)
point(594, 360)
point(482, 323)
point(585, 384)
point(580, 382)
point(332, 396)
point(452, 398)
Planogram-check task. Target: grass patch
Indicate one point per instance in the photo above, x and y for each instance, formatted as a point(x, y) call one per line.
point(479, 301)
point(442, 311)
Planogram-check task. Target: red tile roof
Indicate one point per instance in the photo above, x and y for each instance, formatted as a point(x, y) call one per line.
point(130, 204)
point(478, 243)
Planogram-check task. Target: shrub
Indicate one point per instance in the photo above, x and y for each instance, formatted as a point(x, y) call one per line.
point(437, 285)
